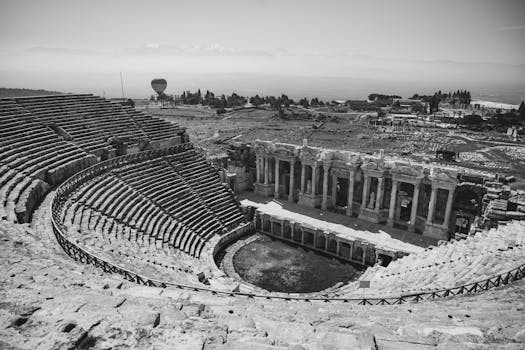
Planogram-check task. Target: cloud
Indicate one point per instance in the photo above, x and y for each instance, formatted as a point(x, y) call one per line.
point(198, 50)
point(59, 50)
point(518, 27)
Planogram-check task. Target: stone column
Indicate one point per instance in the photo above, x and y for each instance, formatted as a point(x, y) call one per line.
point(349, 209)
point(379, 195)
point(432, 205)
point(303, 177)
point(413, 213)
point(448, 209)
point(271, 172)
point(334, 189)
point(302, 236)
point(266, 165)
point(261, 169)
point(292, 180)
point(338, 248)
point(258, 168)
point(366, 188)
point(393, 200)
point(277, 176)
point(282, 229)
point(324, 204)
point(314, 179)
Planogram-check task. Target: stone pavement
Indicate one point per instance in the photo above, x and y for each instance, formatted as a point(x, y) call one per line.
point(341, 219)
point(49, 301)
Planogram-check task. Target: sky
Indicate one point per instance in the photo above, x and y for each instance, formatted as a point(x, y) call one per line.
point(409, 40)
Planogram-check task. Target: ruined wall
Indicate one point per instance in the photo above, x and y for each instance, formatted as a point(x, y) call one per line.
point(241, 161)
point(58, 175)
point(30, 199)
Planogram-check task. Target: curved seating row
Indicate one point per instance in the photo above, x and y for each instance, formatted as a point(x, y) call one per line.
point(140, 212)
point(46, 139)
point(455, 263)
point(32, 158)
point(157, 200)
point(157, 129)
point(90, 121)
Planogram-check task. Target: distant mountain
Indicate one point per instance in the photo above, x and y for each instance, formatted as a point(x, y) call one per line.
point(15, 92)
point(137, 85)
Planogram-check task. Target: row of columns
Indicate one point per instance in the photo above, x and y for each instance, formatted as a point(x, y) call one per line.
point(314, 178)
point(264, 163)
point(379, 192)
point(415, 203)
point(327, 236)
point(262, 167)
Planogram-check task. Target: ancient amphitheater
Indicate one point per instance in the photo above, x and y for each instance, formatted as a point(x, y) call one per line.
point(116, 229)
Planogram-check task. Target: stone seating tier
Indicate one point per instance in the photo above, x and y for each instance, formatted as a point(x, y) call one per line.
point(456, 263)
point(46, 139)
point(87, 118)
point(155, 198)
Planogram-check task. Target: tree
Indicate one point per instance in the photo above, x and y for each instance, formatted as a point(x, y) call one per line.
point(434, 103)
point(472, 120)
point(304, 102)
point(256, 100)
point(521, 113)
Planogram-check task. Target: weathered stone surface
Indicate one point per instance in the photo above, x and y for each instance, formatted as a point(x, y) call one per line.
point(30, 199)
point(61, 173)
point(44, 293)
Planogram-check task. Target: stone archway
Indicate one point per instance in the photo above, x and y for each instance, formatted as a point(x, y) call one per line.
point(405, 198)
point(467, 205)
point(341, 192)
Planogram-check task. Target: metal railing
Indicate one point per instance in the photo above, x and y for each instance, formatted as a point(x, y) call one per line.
point(81, 255)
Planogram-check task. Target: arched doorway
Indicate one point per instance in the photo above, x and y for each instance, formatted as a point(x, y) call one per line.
point(467, 206)
point(405, 196)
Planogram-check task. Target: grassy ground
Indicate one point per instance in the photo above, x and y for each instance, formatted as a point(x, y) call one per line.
point(278, 266)
point(492, 152)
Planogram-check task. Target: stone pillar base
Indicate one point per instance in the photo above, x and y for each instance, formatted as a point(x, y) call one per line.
point(327, 205)
point(390, 222)
point(436, 231)
point(371, 215)
point(309, 200)
point(264, 189)
point(280, 193)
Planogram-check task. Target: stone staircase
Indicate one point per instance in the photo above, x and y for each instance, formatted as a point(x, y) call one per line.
point(50, 301)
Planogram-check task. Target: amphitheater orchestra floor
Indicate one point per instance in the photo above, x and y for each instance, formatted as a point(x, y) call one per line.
point(334, 218)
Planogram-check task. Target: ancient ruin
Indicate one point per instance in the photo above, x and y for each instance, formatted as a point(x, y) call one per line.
point(128, 197)
point(374, 188)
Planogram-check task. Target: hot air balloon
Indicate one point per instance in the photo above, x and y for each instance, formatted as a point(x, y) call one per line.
point(159, 85)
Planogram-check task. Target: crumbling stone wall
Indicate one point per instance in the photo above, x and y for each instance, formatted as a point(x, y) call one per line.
point(241, 161)
point(61, 173)
point(30, 199)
